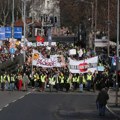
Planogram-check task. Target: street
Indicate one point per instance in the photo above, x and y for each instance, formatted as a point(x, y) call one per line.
point(53, 106)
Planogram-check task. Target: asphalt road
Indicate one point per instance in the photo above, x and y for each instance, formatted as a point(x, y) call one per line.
point(54, 106)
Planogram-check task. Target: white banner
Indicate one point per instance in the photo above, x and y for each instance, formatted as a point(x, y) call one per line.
point(83, 66)
point(72, 52)
point(39, 60)
point(46, 44)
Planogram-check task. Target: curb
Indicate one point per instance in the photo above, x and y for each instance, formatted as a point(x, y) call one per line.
point(112, 112)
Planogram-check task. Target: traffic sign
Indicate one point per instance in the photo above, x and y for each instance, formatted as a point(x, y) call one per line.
point(8, 32)
point(12, 50)
point(18, 32)
point(2, 33)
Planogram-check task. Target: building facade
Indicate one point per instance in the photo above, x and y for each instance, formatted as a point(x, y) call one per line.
point(46, 11)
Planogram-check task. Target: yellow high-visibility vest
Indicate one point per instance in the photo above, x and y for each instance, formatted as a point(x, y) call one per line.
point(61, 79)
point(8, 78)
point(42, 78)
point(84, 81)
point(74, 79)
point(52, 81)
point(68, 80)
point(35, 77)
point(1, 79)
point(89, 77)
point(78, 79)
point(12, 78)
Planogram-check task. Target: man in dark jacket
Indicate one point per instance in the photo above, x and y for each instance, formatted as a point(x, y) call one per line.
point(101, 101)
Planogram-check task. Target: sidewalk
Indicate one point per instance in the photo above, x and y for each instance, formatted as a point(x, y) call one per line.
point(111, 106)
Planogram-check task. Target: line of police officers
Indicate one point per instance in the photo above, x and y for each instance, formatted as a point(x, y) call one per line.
point(62, 80)
point(8, 81)
point(58, 79)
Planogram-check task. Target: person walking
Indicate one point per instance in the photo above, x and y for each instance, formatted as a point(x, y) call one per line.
point(101, 101)
point(25, 82)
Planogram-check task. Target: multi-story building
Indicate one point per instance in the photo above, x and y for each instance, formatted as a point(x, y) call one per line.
point(46, 11)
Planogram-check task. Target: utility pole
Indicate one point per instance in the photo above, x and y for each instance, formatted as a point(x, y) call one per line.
point(92, 22)
point(95, 23)
point(117, 86)
point(24, 21)
point(108, 28)
point(12, 28)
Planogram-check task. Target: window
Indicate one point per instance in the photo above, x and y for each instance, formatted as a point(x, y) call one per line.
point(48, 3)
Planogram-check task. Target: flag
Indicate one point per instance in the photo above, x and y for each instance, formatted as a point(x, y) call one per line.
point(40, 39)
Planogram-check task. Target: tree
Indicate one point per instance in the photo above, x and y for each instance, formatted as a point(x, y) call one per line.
point(5, 11)
point(72, 13)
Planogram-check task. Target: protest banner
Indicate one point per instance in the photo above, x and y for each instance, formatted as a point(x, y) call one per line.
point(83, 66)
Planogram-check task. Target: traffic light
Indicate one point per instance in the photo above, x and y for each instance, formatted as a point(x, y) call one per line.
point(55, 18)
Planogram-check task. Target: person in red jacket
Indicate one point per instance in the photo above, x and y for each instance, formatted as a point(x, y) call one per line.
point(19, 82)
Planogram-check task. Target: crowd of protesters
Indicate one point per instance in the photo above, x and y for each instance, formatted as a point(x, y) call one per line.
point(60, 78)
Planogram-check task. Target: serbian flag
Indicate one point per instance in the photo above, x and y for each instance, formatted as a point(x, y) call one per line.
point(40, 39)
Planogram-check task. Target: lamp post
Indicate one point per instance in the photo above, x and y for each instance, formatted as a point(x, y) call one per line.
point(117, 86)
point(24, 21)
point(13, 6)
point(13, 19)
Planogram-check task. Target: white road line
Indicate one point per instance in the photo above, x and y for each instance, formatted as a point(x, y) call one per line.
point(14, 101)
point(6, 105)
point(21, 97)
point(28, 93)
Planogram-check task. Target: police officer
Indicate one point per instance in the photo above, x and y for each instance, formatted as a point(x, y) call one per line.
point(2, 82)
point(57, 82)
point(51, 82)
point(89, 80)
point(36, 79)
point(12, 81)
point(61, 79)
point(74, 81)
point(43, 78)
point(68, 82)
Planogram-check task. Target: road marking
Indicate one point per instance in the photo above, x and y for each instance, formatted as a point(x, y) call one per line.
point(21, 97)
point(6, 105)
point(28, 93)
point(14, 101)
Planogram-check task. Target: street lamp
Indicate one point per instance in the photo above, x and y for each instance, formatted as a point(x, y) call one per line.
point(13, 6)
point(24, 21)
point(117, 86)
